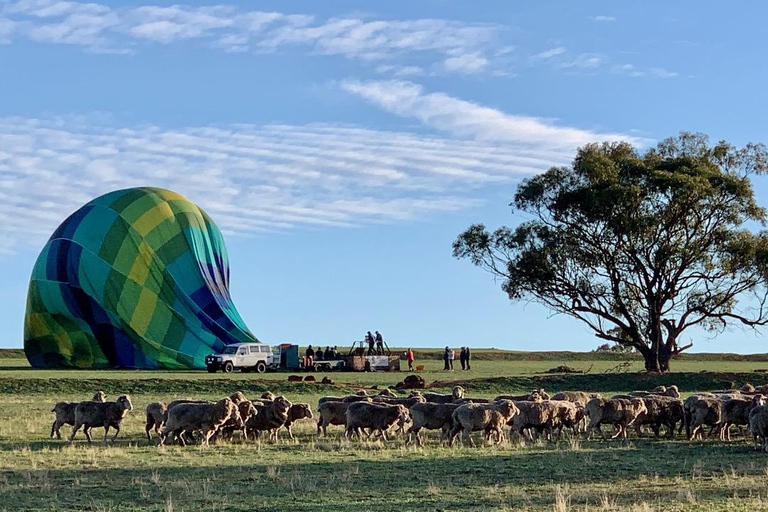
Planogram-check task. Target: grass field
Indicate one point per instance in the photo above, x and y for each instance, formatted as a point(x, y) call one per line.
point(311, 473)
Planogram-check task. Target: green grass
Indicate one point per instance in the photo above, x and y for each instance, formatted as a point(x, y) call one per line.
point(310, 473)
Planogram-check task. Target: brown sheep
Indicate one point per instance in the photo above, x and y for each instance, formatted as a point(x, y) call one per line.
point(439, 398)
point(65, 413)
point(432, 417)
point(489, 418)
point(155, 413)
point(575, 396)
point(734, 412)
point(192, 417)
point(295, 413)
point(618, 412)
point(536, 415)
point(699, 410)
point(269, 418)
point(331, 413)
point(356, 398)
point(238, 397)
point(387, 393)
point(536, 395)
point(376, 417)
point(566, 414)
point(268, 395)
point(408, 402)
point(660, 410)
point(245, 411)
point(101, 414)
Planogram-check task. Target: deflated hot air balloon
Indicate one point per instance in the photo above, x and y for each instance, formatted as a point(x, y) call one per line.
point(137, 278)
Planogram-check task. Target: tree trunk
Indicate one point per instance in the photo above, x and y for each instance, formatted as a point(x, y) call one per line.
point(657, 358)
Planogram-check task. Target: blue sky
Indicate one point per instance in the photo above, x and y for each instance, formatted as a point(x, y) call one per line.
point(342, 146)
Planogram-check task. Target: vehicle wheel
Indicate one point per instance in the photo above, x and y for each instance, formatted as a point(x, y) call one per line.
point(211, 370)
point(228, 367)
point(261, 367)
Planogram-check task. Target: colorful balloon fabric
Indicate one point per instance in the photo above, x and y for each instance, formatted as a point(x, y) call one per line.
point(137, 278)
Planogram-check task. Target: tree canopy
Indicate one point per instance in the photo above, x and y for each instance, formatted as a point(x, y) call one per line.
point(638, 246)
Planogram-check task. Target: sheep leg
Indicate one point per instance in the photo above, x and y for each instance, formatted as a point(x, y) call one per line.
point(75, 428)
point(87, 432)
point(117, 431)
point(468, 435)
point(106, 431)
point(619, 431)
point(290, 434)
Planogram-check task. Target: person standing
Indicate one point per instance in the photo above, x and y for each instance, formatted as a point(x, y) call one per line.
point(379, 343)
point(409, 357)
point(451, 357)
point(463, 358)
point(446, 353)
point(369, 340)
point(309, 357)
point(467, 356)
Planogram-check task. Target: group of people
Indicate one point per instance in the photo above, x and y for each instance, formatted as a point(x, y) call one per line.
point(311, 355)
point(464, 356)
point(375, 340)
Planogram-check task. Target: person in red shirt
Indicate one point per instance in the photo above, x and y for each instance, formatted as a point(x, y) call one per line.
point(409, 357)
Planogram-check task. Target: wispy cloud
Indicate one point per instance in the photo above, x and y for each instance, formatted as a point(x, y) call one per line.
point(469, 120)
point(602, 18)
point(548, 54)
point(633, 71)
point(448, 46)
point(254, 178)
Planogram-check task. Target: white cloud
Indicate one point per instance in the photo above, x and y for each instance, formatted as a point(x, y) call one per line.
point(254, 178)
point(633, 71)
point(584, 61)
point(465, 119)
point(603, 18)
point(548, 54)
point(456, 46)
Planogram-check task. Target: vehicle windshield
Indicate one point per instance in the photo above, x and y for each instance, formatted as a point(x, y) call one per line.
point(230, 350)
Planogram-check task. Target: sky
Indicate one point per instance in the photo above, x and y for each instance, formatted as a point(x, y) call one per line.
point(342, 146)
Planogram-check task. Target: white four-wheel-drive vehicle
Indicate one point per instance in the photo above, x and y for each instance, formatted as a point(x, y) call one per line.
point(248, 357)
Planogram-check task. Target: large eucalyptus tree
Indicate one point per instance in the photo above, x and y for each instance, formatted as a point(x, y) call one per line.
point(638, 246)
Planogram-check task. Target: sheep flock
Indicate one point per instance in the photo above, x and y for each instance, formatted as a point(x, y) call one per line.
point(528, 417)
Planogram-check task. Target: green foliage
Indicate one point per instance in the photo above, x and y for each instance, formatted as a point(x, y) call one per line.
point(639, 247)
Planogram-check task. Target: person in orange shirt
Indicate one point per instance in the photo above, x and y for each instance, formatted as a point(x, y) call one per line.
point(409, 357)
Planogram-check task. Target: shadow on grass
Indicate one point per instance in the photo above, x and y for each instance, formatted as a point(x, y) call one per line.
point(301, 477)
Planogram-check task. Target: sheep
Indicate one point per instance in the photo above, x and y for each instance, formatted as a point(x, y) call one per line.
point(155, 413)
point(376, 417)
point(387, 393)
point(238, 397)
point(758, 422)
point(581, 397)
point(431, 416)
point(237, 421)
point(65, 413)
point(618, 412)
point(537, 415)
point(269, 418)
point(699, 410)
point(671, 391)
point(408, 402)
point(268, 395)
point(331, 413)
point(190, 417)
point(734, 412)
point(295, 413)
point(566, 414)
point(466, 400)
point(489, 418)
point(439, 398)
point(356, 398)
point(101, 414)
point(534, 396)
point(660, 410)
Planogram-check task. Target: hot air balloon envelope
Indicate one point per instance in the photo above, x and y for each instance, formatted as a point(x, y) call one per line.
point(137, 278)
